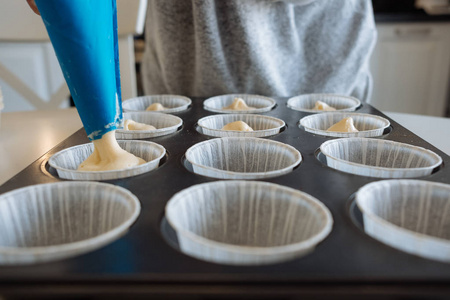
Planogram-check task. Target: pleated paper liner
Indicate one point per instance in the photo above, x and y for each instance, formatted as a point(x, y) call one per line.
point(379, 158)
point(410, 215)
point(48, 222)
point(260, 103)
point(242, 158)
point(305, 103)
point(164, 123)
point(173, 103)
point(247, 222)
point(368, 125)
point(262, 126)
point(67, 161)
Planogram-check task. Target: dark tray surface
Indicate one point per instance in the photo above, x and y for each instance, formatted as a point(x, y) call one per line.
point(347, 256)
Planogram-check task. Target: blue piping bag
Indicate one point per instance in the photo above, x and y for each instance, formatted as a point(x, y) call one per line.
point(84, 36)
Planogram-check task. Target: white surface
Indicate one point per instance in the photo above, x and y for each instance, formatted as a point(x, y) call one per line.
point(410, 67)
point(26, 136)
point(18, 22)
point(29, 70)
point(434, 130)
point(31, 77)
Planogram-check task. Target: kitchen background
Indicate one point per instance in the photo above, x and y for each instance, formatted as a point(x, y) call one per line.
point(410, 64)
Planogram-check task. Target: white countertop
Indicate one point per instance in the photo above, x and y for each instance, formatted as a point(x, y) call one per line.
point(26, 136)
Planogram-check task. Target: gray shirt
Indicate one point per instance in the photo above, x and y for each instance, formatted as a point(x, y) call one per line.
point(266, 47)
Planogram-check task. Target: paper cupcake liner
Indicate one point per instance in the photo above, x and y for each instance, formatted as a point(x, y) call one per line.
point(67, 161)
point(368, 125)
point(261, 104)
point(379, 158)
point(242, 158)
point(306, 102)
point(48, 222)
point(173, 103)
point(165, 124)
point(262, 125)
point(409, 215)
point(247, 222)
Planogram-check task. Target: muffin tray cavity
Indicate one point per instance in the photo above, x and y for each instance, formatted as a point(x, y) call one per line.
point(148, 261)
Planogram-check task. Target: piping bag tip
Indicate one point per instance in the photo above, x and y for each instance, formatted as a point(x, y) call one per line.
point(84, 36)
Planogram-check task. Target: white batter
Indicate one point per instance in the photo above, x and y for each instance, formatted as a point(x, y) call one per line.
point(237, 126)
point(319, 105)
point(108, 156)
point(155, 107)
point(344, 125)
point(132, 125)
point(238, 104)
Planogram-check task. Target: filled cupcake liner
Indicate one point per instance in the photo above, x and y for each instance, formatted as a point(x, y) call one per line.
point(173, 103)
point(409, 215)
point(260, 103)
point(262, 125)
point(242, 158)
point(379, 158)
point(247, 222)
point(48, 222)
point(368, 125)
point(165, 124)
point(67, 161)
point(306, 102)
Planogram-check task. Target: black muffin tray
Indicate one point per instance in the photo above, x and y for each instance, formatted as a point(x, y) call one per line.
point(146, 262)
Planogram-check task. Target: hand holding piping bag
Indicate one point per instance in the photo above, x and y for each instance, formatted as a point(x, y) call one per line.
point(84, 36)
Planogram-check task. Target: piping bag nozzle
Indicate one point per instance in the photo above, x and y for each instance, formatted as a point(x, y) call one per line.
point(84, 36)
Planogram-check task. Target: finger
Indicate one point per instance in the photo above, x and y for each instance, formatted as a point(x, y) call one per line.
point(33, 6)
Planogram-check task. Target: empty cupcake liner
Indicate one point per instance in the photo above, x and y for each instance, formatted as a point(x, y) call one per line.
point(67, 161)
point(260, 103)
point(368, 125)
point(165, 124)
point(173, 103)
point(242, 158)
point(262, 125)
point(409, 215)
point(306, 102)
point(48, 222)
point(379, 158)
point(247, 222)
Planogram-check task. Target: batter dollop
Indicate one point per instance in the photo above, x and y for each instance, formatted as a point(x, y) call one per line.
point(238, 104)
point(155, 107)
point(319, 105)
point(344, 125)
point(108, 156)
point(237, 126)
point(132, 125)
